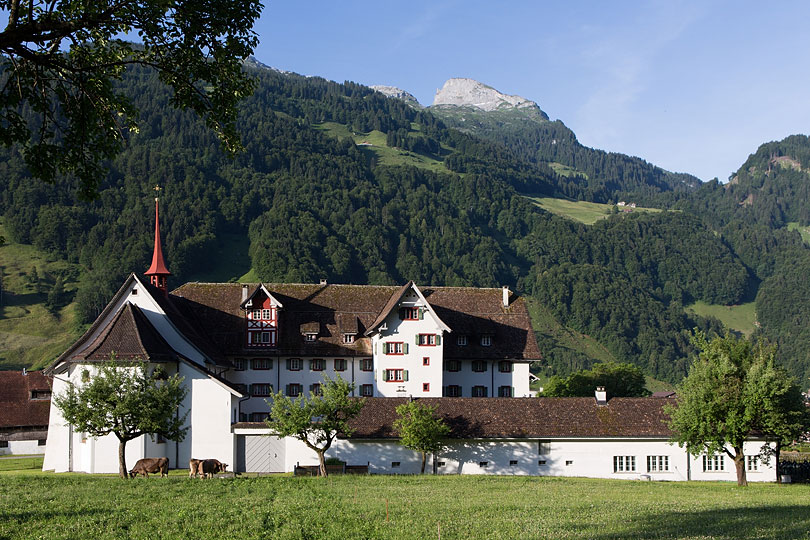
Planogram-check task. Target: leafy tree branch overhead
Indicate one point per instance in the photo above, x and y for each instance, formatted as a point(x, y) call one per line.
point(60, 59)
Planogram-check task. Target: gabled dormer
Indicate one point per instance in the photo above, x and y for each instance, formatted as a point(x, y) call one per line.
point(410, 305)
point(261, 317)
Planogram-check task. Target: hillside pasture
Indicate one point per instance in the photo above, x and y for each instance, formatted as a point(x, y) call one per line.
point(395, 507)
point(740, 318)
point(582, 211)
point(31, 336)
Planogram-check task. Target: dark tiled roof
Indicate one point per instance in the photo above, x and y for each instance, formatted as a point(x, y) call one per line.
point(482, 418)
point(469, 311)
point(131, 337)
point(17, 409)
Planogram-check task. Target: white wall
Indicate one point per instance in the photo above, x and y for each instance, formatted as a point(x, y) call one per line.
point(22, 447)
point(405, 331)
point(591, 458)
point(211, 405)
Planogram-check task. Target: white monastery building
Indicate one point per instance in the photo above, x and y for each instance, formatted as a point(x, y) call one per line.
point(466, 350)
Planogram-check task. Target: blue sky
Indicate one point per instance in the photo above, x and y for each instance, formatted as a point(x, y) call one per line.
point(691, 86)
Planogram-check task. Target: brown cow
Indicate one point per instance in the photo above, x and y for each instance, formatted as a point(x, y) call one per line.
point(194, 467)
point(209, 467)
point(150, 465)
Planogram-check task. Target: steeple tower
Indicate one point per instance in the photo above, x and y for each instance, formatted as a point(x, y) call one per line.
point(158, 273)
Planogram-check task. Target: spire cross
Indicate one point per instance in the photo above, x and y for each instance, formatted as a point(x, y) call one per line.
point(157, 192)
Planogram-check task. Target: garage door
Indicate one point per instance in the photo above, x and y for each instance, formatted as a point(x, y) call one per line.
point(260, 453)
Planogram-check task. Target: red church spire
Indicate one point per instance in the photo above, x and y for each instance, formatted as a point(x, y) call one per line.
point(158, 273)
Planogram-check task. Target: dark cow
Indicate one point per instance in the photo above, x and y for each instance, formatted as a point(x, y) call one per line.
point(209, 467)
point(150, 465)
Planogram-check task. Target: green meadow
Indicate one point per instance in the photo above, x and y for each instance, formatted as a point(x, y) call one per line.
point(582, 211)
point(392, 507)
point(741, 318)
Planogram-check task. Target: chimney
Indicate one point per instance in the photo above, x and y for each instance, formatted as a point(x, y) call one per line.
point(601, 395)
point(506, 296)
point(244, 293)
point(323, 281)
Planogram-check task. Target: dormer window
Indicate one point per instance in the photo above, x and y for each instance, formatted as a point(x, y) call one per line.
point(461, 341)
point(410, 313)
point(348, 339)
point(486, 340)
point(40, 394)
point(309, 338)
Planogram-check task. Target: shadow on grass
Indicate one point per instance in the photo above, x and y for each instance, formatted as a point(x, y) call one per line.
point(781, 522)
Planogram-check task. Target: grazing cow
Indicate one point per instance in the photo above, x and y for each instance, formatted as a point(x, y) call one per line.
point(209, 467)
point(194, 467)
point(150, 465)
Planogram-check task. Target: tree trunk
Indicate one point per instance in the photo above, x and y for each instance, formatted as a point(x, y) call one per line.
point(322, 464)
point(122, 459)
point(739, 463)
point(424, 459)
point(776, 453)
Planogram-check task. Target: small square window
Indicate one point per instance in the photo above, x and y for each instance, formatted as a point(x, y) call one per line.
point(512, 462)
point(425, 387)
point(395, 464)
point(440, 464)
point(483, 464)
point(569, 462)
point(541, 462)
point(3, 444)
point(309, 338)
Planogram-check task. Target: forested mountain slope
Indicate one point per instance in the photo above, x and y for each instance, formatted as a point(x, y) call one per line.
point(316, 198)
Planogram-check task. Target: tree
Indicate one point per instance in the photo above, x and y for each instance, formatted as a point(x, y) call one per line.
point(732, 389)
point(777, 401)
point(619, 380)
point(60, 58)
point(126, 400)
point(316, 419)
point(419, 429)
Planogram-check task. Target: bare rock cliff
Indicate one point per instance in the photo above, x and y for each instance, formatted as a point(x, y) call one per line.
point(470, 93)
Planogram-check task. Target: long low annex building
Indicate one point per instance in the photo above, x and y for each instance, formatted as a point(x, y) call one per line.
point(625, 438)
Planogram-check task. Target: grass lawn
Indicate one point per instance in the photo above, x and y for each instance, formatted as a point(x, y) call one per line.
point(582, 211)
point(450, 507)
point(741, 318)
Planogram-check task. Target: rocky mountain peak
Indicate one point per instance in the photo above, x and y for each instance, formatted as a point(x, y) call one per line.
point(471, 93)
point(394, 92)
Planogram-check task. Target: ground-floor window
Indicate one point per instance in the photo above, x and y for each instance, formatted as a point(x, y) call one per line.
point(713, 463)
point(624, 463)
point(452, 390)
point(752, 463)
point(366, 390)
point(657, 463)
point(479, 391)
